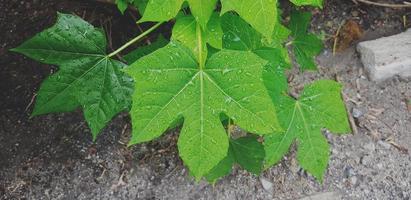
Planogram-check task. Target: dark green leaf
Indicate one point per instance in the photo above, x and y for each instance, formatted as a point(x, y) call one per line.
point(86, 76)
point(305, 46)
point(245, 151)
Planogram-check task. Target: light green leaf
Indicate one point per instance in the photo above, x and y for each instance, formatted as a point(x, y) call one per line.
point(318, 3)
point(214, 32)
point(172, 85)
point(261, 15)
point(305, 45)
point(186, 30)
point(202, 10)
point(246, 151)
point(161, 10)
point(86, 76)
point(319, 106)
point(145, 50)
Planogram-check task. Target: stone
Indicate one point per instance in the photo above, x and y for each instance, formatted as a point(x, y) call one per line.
point(324, 196)
point(349, 172)
point(353, 180)
point(387, 57)
point(370, 147)
point(357, 113)
point(267, 185)
point(385, 145)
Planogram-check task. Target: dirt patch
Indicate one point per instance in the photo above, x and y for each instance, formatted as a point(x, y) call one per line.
point(53, 157)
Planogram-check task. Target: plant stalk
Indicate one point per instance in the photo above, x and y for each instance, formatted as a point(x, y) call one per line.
point(139, 37)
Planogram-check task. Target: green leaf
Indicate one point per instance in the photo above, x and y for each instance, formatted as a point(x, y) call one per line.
point(186, 31)
point(238, 35)
point(86, 76)
point(274, 77)
point(318, 3)
point(223, 168)
point(280, 35)
point(299, 23)
point(214, 32)
point(145, 50)
point(319, 106)
point(305, 45)
point(140, 5)
point(261, 15)
point(202, 10)
point(246, 151)
point(305, 48)
point(122, 5)
point(161, 10)
point(173, 84)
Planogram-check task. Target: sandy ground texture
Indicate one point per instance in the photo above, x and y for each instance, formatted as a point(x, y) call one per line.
point(53, 157)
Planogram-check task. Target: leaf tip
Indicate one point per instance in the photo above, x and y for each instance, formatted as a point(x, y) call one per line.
point(16, 49)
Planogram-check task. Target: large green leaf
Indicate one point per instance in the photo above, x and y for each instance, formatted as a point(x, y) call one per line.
point(86, 76)
point(164, 10)
point(318, 3)
point(261, 15)
point(174, 84)
point(305, 45)
point(246, 151)
point(319, 106)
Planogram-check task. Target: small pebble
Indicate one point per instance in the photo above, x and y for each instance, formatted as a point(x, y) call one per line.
point(370, 147)
point(354, 180)
point(348, 172)
point(385, 145)
point(356, 113)
point(267, 185)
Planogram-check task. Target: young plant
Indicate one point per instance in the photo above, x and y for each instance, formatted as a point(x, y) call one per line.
point(217, 67)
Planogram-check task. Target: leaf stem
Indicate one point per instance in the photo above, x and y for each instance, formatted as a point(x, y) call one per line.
point(139, 37)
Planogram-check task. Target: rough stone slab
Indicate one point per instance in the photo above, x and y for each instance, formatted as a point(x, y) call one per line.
point(386, 57)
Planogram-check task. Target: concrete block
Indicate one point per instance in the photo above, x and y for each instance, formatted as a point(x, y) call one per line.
point(386, 57)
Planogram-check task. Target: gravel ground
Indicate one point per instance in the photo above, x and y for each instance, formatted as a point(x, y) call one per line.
point(53, 157)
